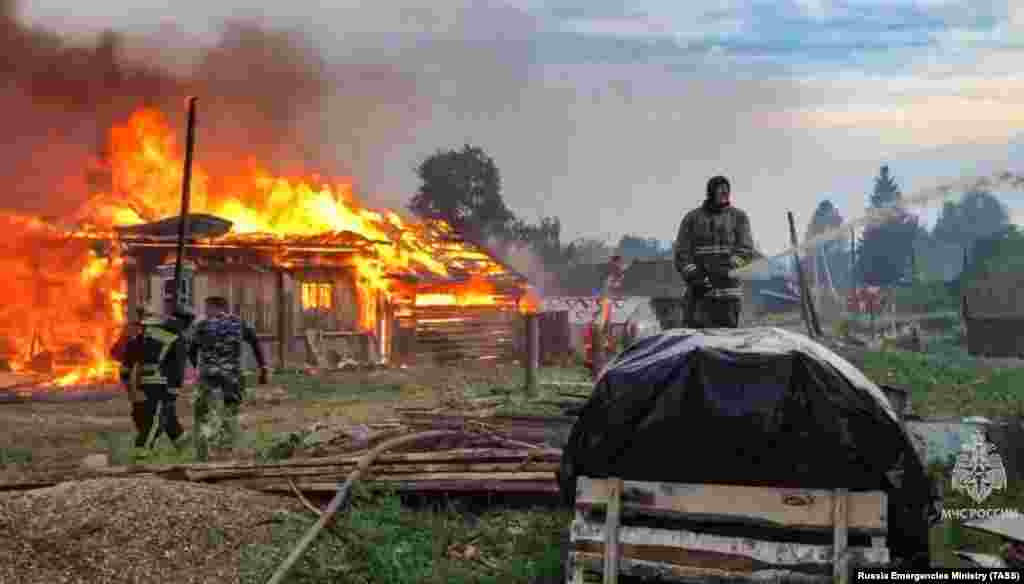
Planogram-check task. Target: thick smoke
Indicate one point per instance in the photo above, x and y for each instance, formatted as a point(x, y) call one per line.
point(524, 260)
point(265, 94)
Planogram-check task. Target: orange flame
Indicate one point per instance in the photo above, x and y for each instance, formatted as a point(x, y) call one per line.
point(75, 299)
point(530, 303)
point(475, 292)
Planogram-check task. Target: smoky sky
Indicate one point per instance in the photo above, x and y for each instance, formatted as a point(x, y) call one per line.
point(609, 135)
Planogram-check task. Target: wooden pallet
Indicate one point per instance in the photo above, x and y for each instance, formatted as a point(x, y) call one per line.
point(617, 543)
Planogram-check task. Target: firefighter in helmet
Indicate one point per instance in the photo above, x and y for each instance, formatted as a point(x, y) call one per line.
point(155, 360)
point(713, 240)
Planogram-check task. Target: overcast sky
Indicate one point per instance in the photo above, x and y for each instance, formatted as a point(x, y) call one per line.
point(612, 118)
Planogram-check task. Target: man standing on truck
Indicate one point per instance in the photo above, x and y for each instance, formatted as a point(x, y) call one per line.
point(217, 352)
point(713, 240)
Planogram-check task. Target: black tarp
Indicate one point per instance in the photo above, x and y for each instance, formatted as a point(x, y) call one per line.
point(759, 406)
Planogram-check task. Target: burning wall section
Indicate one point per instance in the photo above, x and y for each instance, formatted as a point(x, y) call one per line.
point(67, 288)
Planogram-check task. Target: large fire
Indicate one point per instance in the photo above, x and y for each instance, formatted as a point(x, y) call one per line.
point(65, 293)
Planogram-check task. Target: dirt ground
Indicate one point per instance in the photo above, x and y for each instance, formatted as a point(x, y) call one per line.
point(61, 434)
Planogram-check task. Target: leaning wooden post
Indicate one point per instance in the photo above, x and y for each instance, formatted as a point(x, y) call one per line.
point(840, 521)
point(282, 324)
point(611, 531)
point(186, 195)
point(810, 316)
point(532, 351)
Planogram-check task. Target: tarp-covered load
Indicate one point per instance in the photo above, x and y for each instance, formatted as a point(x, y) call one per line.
point(758, 407)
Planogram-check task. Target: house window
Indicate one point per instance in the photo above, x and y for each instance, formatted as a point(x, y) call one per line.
point(317, 296)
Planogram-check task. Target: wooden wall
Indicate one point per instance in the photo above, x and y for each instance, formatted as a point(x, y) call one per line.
point(452, 333)
point(997, 296)
point(271, 302)
point(995, 316)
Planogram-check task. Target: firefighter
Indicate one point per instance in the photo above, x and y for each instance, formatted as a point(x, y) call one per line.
point(217, 352)
point(713, 240)
point(118, 353)
point(155, 360)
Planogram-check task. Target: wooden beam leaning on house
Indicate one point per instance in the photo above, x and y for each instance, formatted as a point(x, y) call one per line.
point(754, 531)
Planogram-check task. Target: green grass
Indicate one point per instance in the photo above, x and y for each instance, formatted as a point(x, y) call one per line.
point(518, 403)
point(314, 387)
point(12, 455)
point(378, 541)
point(120, 448)
point(948, 383)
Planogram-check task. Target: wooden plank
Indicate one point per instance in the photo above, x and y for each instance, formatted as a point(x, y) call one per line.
point(483, 336)
point(840, 517)
point(463, 455)
point(465, 349)
point(492, 486)
point(983, 560)
point(388, 469)
point(463, 326)
point(648, 570)
point(282, 331)
point(469, 346)
point(488, 337)
point(773, 553)
point(576, 569)
point(791, 508)
point(466, 476)
point(611, 532)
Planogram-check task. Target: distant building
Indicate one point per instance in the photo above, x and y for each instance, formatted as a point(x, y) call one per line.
point(994, 315)
point(652, 287)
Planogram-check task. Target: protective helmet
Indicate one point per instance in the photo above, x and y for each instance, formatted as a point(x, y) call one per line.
point(714, 183)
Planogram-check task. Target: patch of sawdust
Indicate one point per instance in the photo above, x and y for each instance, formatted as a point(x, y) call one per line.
point(131, 530)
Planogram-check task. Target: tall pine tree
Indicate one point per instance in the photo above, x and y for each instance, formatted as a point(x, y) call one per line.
point(886, 249)
point(887, 192)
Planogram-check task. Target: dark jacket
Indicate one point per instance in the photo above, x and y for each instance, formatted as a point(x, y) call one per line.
point(712, 242)
point(217, 345)
point(161, 350)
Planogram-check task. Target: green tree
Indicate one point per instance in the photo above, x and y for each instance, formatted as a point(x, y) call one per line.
point(886, 250)
point(980, 214)
point(887, 192)
point(463, 187)
point(998, 253)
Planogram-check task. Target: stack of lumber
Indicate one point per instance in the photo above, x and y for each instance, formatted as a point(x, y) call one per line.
point(466, 470)
point(470, 462)
point(550, 430)
point(685, 532)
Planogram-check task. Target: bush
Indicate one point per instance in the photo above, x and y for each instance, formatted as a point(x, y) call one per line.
point(925, 297)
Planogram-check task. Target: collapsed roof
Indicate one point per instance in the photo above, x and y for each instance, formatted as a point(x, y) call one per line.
point(461, 258)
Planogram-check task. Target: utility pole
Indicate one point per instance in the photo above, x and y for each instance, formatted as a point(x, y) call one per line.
point(186, 186)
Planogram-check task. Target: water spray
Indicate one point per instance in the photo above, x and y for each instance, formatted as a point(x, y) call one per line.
point(1001, 181)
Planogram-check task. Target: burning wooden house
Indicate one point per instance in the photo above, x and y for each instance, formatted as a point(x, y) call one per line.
point(320, 276)
point(333, 298)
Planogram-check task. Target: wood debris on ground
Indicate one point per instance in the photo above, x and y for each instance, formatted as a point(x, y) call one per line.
point(480, 455)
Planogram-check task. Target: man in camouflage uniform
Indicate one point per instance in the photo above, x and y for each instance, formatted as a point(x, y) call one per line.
point(713, 240)
point(217, 352)
point(153, 368)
